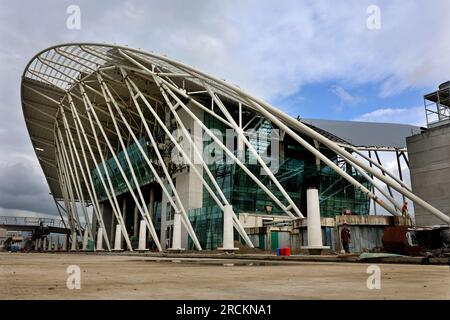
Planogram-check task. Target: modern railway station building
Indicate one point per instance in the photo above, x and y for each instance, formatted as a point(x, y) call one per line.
point(135, 143)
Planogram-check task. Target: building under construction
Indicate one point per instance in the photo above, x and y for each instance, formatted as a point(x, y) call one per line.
point(135, 145)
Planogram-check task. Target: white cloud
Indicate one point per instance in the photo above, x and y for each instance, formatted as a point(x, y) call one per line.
point(345, 96)
point(412, 116)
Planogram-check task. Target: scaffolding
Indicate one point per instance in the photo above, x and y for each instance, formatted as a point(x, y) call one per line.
point(437, 106)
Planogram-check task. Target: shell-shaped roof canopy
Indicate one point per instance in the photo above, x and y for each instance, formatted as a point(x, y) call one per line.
point(57, 70)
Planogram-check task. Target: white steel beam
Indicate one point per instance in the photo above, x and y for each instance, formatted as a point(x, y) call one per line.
point(109, 192)
point(96, 209)
point(143, 206)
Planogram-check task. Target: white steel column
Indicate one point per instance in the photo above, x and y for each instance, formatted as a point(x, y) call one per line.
point(74, 245)
point(118, 239)
point(176, 237)
point(91, 192)
point(143, 210)
point(142, 236)
point(68, 183)
point(313, 220)
point(85, 240)
point(99, 246)
point(228, 238)
point(115, 204)
point(75, 180)
point(73, 167)
point(65, 239)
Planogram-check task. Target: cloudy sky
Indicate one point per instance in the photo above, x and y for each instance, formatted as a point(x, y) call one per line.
point(316, 59)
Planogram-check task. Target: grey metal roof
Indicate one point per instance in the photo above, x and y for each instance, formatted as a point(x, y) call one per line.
point(367, 134)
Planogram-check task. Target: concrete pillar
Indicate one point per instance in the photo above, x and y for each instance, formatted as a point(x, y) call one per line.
point(143, 236)
point(315, 244)
point(74, 245)
point(313, 223)
point(136, 222)
point(44, 244)
point(228, 241)
point(118, 239)
point(64, 245)
point(99, 246)
point(50, 244)
point(36, 245)
point(176, 236)
point(85, 240)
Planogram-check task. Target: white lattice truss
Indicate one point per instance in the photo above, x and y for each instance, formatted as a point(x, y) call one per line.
point(84, 101)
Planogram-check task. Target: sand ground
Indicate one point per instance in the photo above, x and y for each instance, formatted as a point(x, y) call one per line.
point(43, 276)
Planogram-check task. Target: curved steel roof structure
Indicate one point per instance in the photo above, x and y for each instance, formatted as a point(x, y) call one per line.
point(82, 99)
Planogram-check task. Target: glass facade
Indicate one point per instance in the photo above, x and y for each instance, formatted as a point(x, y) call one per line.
point(141, 169)
point(298, 171)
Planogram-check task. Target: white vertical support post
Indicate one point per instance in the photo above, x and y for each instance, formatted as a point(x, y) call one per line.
point(142, 236)
point(85, 240)
point(74, 245)
point(118, 239)
point(39, 242)
point(176, 235)
point(65, 239)
point(44, 244)
point(313, 222)
point(228, 230)
point(50, 243)
point(36, 245)
point(99, 245)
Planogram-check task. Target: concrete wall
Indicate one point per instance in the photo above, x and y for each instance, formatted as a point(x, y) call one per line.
point(429, 158)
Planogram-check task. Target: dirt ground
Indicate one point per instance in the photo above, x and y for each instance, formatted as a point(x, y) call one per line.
point(43, 276)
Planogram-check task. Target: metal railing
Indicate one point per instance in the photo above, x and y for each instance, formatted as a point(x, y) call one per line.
point(31, 221)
